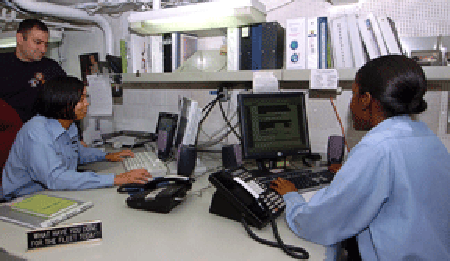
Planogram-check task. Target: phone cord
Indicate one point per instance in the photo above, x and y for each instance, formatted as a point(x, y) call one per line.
point(288, 249)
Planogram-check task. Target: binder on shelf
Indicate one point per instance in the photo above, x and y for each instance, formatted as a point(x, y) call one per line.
point(312, 43)
point(272, 45)
point(378, 34)
point(261, 46)
point(323, 42)
point(138, 54)
point(124, 55)
point(359, 55)
point(341, 44)
point(368, 36)
point(176, 46)
point(317, 43)
point(256, 46)
point(245, 54)
point(233, 49)
point(388, 30)
point(156, 57)
point(167, 52)
point(296, 43)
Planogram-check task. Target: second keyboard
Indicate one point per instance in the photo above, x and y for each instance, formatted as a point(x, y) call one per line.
point(304, 180)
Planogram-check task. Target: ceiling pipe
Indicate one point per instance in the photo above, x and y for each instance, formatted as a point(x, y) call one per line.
point(69, 13)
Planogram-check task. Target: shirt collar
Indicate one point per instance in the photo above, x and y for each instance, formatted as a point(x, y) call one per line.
point(56, 129)
point(390, 122)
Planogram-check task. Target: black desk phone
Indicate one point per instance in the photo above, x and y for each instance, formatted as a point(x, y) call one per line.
point(159, 194)
point(238, 194)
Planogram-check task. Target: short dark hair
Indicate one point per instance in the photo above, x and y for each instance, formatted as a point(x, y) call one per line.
point(58, 97)
point(397, 82)
point(26, 25)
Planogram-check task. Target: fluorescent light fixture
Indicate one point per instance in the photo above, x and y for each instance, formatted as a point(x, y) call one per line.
point(200, 16)
point(8, 39)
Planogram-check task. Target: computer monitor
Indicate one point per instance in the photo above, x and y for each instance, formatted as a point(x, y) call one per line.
point(165, 130)
point(189, 119)
point(273, 125)
point(114, 64)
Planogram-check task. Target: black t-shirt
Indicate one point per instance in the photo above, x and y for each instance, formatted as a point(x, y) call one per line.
point(19, 81)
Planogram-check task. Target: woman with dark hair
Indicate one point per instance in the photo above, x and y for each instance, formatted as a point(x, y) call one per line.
point(47, 150)
point(392, 192)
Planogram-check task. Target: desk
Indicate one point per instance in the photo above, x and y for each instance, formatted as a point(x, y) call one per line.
point(188, 232)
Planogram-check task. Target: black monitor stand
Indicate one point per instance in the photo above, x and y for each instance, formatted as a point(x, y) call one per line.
point(263, 170)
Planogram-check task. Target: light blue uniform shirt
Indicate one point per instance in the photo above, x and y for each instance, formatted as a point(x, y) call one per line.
point(44, 153)
point(393, 192)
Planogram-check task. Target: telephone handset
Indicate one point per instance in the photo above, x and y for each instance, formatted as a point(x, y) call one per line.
point(240, 194)
point(158, 195)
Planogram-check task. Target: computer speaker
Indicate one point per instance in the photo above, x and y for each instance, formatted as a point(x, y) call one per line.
point(335, 151)
point(186, 159)
point(231, 156)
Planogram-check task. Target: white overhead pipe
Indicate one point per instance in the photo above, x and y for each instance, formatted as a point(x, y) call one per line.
point(69, 12)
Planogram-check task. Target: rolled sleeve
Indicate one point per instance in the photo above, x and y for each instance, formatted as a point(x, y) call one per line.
point(49, 168)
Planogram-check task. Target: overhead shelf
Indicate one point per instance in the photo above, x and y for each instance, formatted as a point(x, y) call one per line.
point(226, 76)
point(434, 73)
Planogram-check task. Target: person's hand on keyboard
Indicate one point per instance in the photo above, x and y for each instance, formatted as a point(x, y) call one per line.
point(118, 156)
point(282, 186)
point(139, 176)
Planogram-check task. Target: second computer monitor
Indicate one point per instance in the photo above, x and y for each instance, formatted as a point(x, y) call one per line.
point(273, 125)
point(165, 129)
point(188, 122)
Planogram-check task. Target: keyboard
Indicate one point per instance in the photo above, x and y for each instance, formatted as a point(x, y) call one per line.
point(146, 160)
point(304, 179)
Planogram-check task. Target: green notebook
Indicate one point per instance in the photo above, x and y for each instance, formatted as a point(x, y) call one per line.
point(44, 205)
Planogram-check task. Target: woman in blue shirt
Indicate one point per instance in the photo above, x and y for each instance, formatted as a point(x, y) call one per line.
point(46, 151)
point(392, 192)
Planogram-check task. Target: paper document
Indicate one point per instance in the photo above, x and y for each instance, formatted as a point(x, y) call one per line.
point(265, 82)
point(324, 79)
point(100, 95)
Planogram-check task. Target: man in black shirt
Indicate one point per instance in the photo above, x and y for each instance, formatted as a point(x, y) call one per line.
point(23, 72)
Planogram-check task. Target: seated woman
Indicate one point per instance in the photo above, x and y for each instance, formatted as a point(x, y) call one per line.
point(392, 192)
point(47, 150)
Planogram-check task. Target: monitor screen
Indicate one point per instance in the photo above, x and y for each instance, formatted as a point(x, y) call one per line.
point(167, 122)
point(114, 63)
point(273, 125)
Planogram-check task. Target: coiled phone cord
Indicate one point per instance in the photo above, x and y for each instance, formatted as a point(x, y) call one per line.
point(288, 249)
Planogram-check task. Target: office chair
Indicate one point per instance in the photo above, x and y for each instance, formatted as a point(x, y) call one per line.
point(10, 124)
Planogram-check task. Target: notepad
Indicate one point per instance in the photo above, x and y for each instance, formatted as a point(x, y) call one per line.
point(40, 210)
point(44, 205)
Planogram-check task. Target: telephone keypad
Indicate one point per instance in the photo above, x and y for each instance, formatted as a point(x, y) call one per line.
point(272, 200)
